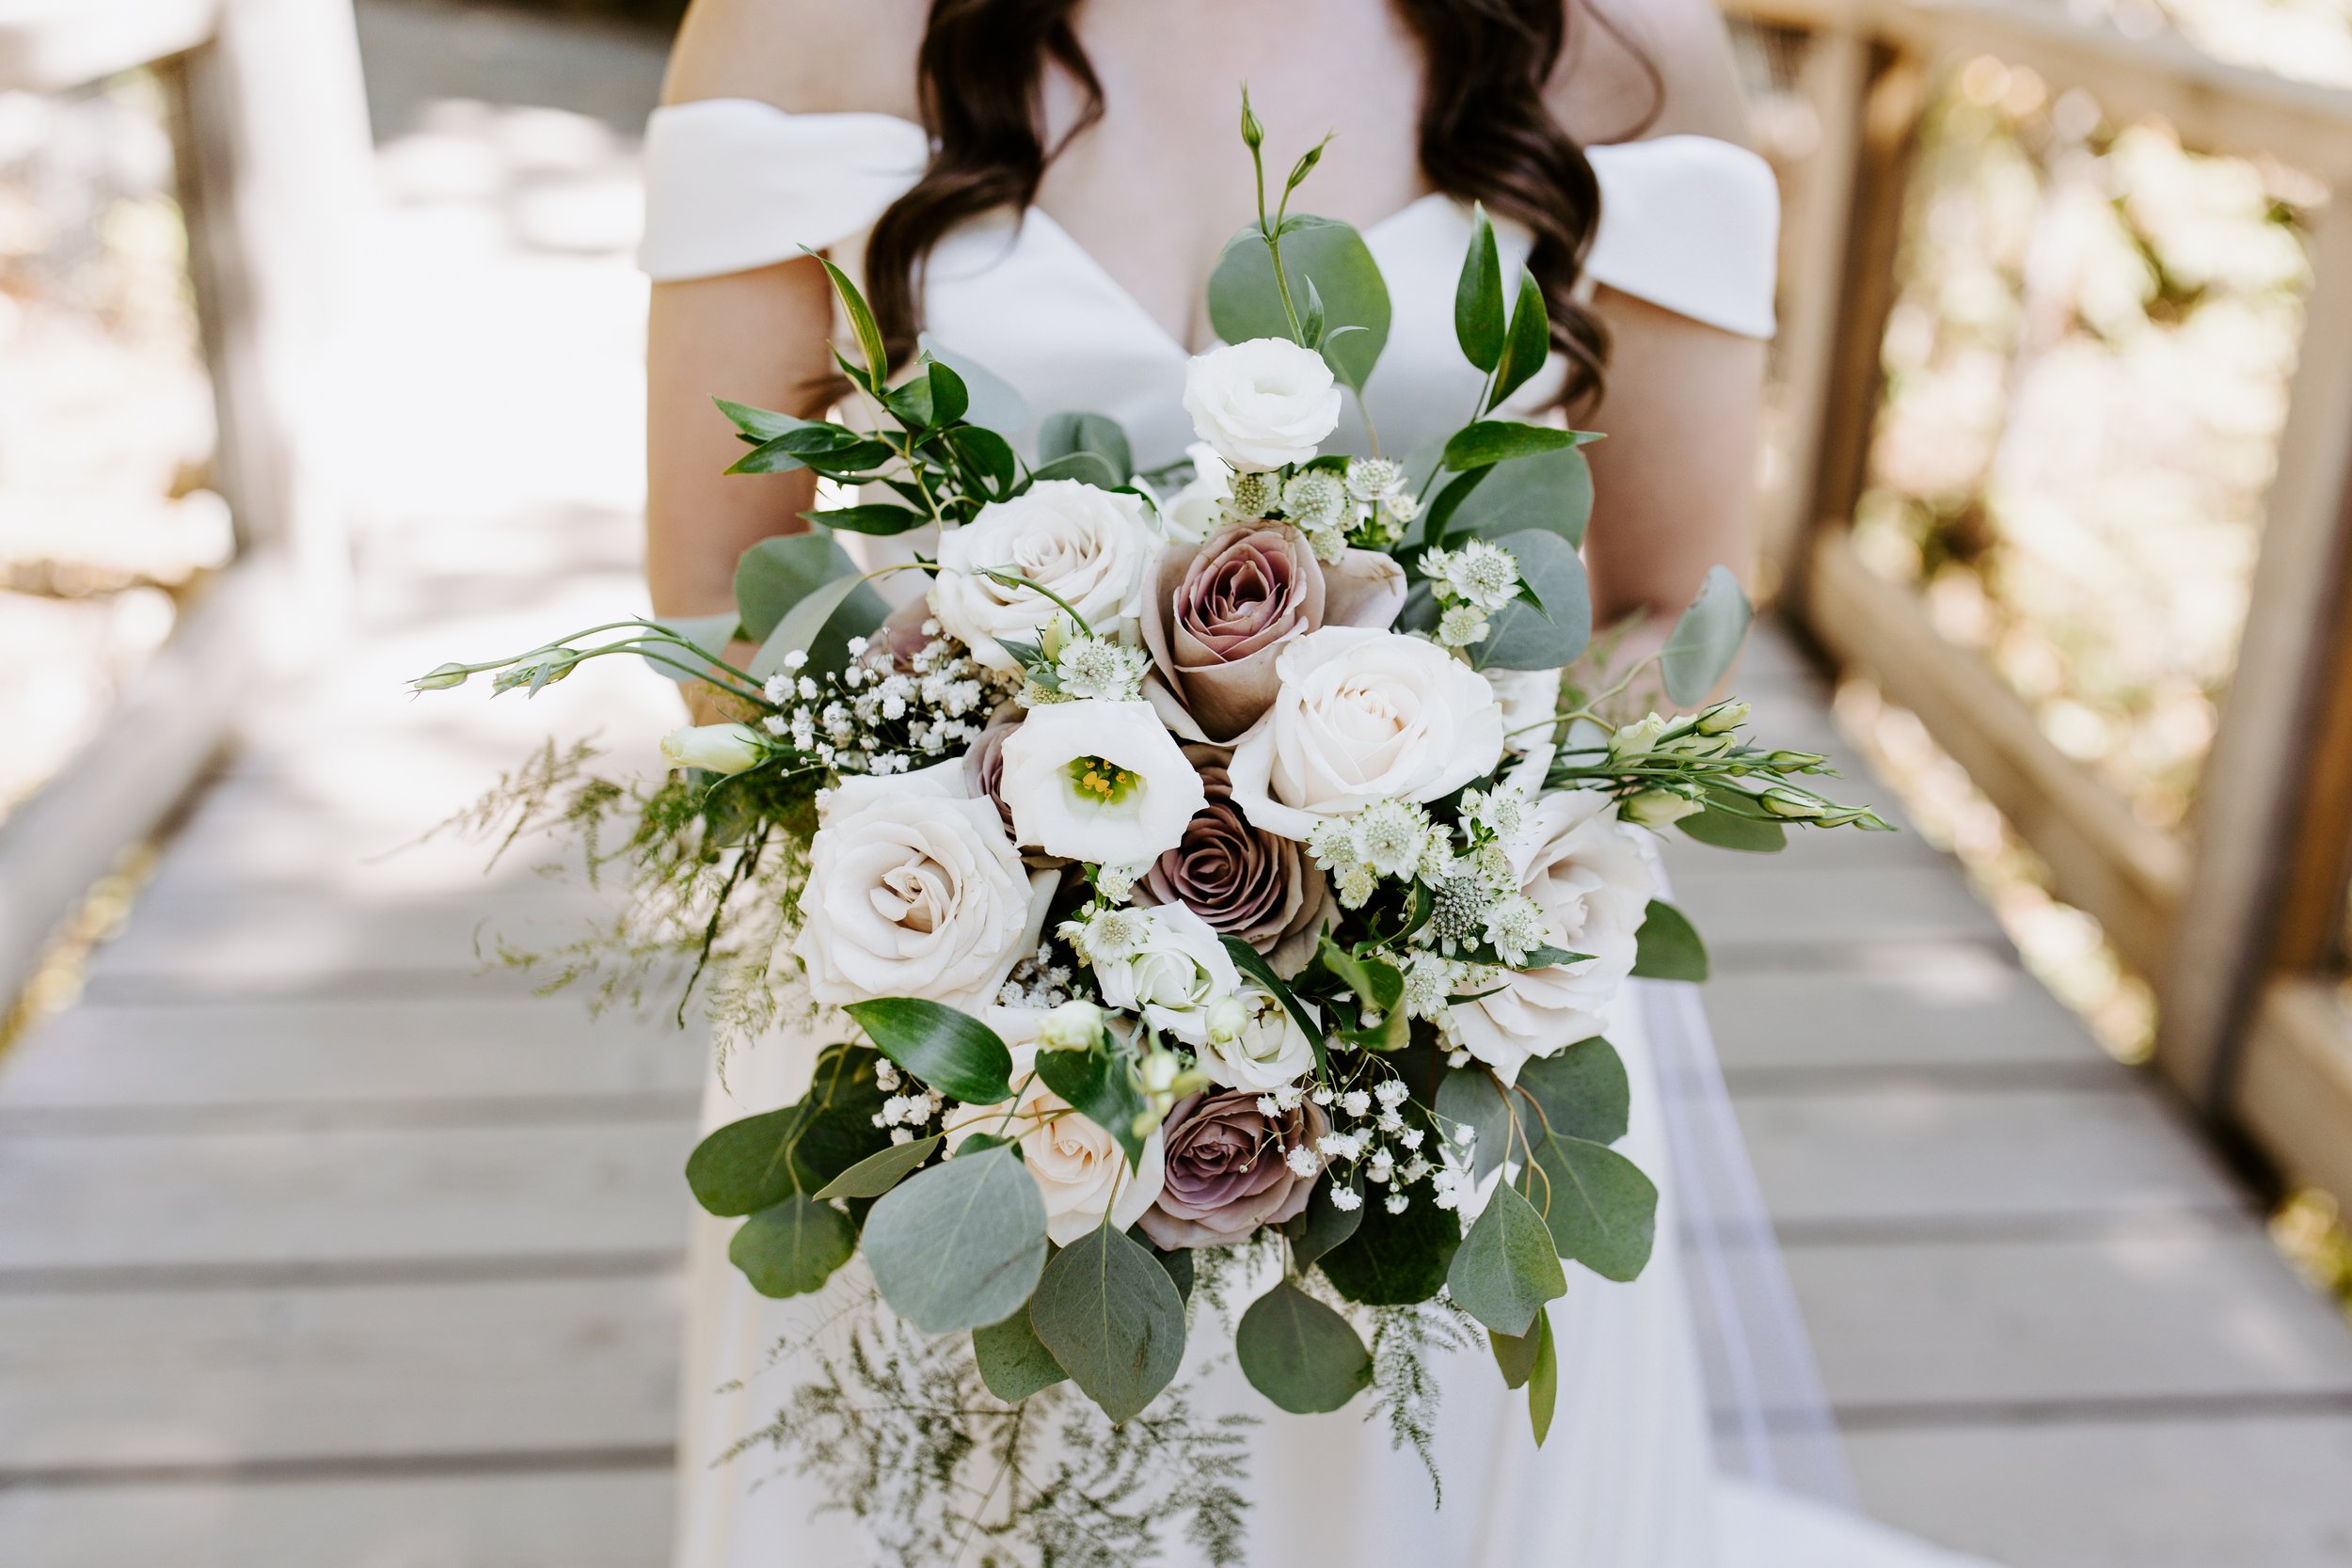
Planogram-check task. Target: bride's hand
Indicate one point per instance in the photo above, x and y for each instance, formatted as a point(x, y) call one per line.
point(708, 705)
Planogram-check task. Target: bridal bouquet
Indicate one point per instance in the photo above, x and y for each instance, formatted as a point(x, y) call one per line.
point(1199, 861)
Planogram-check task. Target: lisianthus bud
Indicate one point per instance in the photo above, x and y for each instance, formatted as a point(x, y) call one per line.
point(720, 748)
point(1657, 808)
point(1159, 1070)
point(1227, 1018)
point(1073, 1027)
point(1723, 718)
point(1788, 803)
point(441, 679)
point(1639, 738)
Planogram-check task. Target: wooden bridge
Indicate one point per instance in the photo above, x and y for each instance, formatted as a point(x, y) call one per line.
point(322, 1248)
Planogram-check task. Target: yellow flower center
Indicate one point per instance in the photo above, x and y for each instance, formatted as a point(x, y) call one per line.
point(1101, 780)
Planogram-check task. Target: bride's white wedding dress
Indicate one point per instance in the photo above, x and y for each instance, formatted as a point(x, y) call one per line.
point(1630, 1476)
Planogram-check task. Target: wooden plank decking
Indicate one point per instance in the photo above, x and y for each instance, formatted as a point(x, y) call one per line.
point(321, 1249)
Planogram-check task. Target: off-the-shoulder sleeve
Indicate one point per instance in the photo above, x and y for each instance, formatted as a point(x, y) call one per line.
point(732, 183)
point(1690, 224)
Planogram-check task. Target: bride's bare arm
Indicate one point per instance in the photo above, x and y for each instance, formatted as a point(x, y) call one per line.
point(1674, 481)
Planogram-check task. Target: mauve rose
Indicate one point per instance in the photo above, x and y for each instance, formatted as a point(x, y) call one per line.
point(1227, 1169)
point(1242, 881)
point(901, 636)
point(1216, 614)
point(984, 765)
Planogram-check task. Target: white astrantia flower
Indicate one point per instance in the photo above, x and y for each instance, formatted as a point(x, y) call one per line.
point(1079, 1168)
point(1098, 781)
point(720, 748)
point(1374, 479)
point(1197, 510)
point(1363, 716)
point(1389, 837)
point(1089, 546)
point(1462, 624)
point(1254, 1043)
point(1315, 500)
point(1097, 667)
point(1265, 404)
point(1173, 972)
point(1478, 573)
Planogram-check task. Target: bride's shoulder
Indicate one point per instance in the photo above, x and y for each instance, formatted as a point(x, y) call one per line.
point(808, 56)
point(1636, 68)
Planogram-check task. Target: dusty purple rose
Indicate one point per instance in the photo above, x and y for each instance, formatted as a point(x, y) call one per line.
point(1228, 1170)
point(1242, 881)
point(984, 765)
point(1216, 614)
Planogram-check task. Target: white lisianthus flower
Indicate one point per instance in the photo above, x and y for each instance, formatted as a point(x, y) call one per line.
point(913, 890)
point(1254, 1043)
point(1197, 510)
point(1263, 403)
point(1527, 698)
point(1172, 971)
point(1091, 546)
point(720, 748)
point(1592, 881)
point(1363, 717)
point(1079, 1169)
point(1097, 781)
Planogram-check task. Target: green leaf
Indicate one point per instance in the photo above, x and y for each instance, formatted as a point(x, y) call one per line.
point(760, 425)
point(1014, 1362)
point(821, 626)
point(1543, 1381)
point(1102, 1085)
point(1252, 964)
point(710, 635)
point(1112, 1319)
point(1176, 1260)
point(1478, 320)
point(878, 1173)
point(1583, 1092)
point(950, 397)
point(989, 454)
point(776, 574)
point(1668, 947)
point(1550, 490)
point(1244, 302)
point(1601, 1209)
point(1379, 985)
point(960, 1244)
point(951, 1052)
point(1530, 342)
point(1395, 1260)
point(1300, 1354)
point(1064, 433)
point(1705, 640)
point(860, 319)
point(1516, 1354)
point(1322, 1224)
point(760, 1161)
point(926, 401)
point(1491, 441)
point(1526, 638)
point(793, 1248)
point(1726, 830)
point(1470, 1096)
point(1087, 467)
point(1506, 1267)
point(884, 518)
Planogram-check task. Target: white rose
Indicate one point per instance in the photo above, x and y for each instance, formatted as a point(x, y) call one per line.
point(1079, 1169)
point(1527, 698)
point(1363, 716)
point(1197, 510)
point(1591, 878)
point(1098, 781)
point(1261, 404)
point(1254, 1043)
point(720, 748)
point(913, 890)
point(1172, 972)
point(1091, 546)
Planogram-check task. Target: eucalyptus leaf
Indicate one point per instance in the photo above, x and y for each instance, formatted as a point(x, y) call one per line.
point(776, 574)
point(1722, 829)
point(1515, 1354)
point(1112, 1320)
point(1101, 1083)
point(1543, 1381)
point(1087, 467)
point(1506, 1267)
point(793, 1248)
point(1320, 1227)
point(961, 1245)
point(1526, 638)
point(820, 627)
point(1582, 1092)
point(1471, 1096)
point(1244, 302)
point(1601, 1209)
point(760, 1161)
point(878, 1173)
point(1061, 435)
point(1478, 317)
point(1013, 1361)
point(709, 634)
point(1550, 490)
point(1705, 640)
point(1668, 946)
point(1491, 441)
point(1395, 1260)
point(1529, 344)
point(1176, 1260)
point(949, 1051)
point(1300, 1354)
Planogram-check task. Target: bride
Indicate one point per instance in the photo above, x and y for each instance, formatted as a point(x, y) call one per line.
point(1041, 187)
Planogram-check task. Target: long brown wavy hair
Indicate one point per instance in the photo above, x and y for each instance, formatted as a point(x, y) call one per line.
point(1485, 136)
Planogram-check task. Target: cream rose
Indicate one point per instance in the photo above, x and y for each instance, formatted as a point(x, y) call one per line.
point(1089, 546)
point(1168, 966)
point(1254, 1043)
point(1079, 1169)
point(913, 890)
point(1363, 716)
point(1098, 781)
point(1261, 404)
point(1593, 880)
